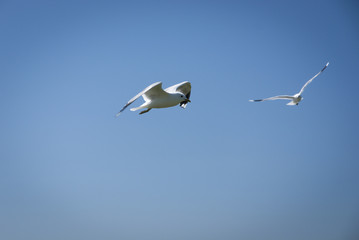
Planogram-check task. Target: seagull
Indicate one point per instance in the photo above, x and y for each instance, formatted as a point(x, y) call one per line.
point(156, 97)
point(296, 98)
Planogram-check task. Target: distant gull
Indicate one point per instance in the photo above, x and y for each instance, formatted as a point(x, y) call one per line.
point(296, 98)
point(156, 97)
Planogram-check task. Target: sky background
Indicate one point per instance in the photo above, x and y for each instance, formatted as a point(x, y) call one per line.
point(223, 168)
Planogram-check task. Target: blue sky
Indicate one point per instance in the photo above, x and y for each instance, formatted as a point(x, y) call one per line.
point(223, 168)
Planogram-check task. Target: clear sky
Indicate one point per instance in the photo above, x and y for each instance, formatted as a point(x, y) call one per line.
point(223, 168)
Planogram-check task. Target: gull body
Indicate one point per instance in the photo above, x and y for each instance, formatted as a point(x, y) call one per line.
point(165, 101)
point(156, 97)
point(296, 98)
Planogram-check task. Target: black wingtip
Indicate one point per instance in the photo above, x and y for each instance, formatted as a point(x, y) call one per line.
point(326, 65)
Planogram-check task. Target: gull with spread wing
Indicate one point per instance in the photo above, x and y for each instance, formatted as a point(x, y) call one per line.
point(156, 97)
point(296, 98)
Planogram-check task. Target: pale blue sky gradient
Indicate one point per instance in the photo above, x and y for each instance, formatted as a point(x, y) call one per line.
point(224, 168)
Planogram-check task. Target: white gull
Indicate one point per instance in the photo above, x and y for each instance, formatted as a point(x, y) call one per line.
point(296, 98)
point(156, 97)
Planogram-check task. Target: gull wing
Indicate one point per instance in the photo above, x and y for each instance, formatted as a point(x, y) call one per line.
point(184, 88)
point(310, 80)
point(148, 94)
point(286, 97)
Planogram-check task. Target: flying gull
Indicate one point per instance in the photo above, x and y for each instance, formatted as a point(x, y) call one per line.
point(156, 97)
point(296, 98)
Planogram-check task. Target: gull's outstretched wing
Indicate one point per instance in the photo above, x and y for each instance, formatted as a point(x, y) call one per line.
point(148, 93)
point(286, 97)
point(184, 88)
point(310, 80)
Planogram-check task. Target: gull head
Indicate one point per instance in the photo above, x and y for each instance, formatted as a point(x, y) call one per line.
point(298, 97)
point(182, 98)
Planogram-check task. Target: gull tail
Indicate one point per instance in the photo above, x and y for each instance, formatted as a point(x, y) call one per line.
point(135, 109)
point(291, 103)
point(144, 105)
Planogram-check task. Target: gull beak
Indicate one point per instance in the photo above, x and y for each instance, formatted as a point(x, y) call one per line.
point(188, 100)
